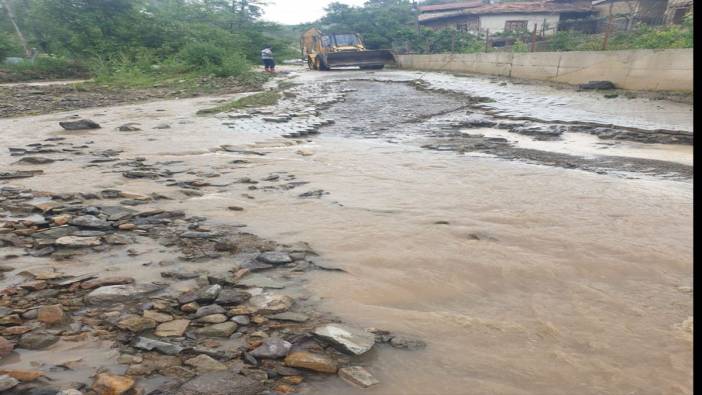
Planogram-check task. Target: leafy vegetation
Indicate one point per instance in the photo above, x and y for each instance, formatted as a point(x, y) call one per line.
point(145, 40)
point(43, 67)
point(392, 24)
point(640, 37)
point(139, 43)
point(262, 99)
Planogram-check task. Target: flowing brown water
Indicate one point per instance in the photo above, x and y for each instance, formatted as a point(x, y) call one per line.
point(522, 279)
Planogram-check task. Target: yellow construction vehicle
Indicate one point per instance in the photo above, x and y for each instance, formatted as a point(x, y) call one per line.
point(324, 51)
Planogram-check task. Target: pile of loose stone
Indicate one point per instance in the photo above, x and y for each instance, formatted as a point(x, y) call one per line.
point(297, 115)
point(236, 332)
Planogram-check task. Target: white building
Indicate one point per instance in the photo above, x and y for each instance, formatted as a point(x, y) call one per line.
point(479, 16)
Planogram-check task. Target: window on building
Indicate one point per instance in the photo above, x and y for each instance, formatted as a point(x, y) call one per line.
point(679, 15)
point(462, 27)
point(512, 26)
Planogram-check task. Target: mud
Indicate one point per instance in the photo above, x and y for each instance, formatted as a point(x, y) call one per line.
point(526, 255)
point(452, 122)
point(43, 98)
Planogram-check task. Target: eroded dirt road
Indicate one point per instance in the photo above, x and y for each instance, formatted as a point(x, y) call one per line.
point(538, 240)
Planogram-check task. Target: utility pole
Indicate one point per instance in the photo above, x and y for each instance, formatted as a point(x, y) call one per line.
point(609, 26)
point(533, 39)
point(453, 40)
point(11, 15)
point(415, 9)
point(487, 39)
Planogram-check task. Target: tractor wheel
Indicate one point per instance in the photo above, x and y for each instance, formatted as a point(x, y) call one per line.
point(323, 65)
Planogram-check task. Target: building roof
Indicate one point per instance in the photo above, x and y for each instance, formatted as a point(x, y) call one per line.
point(544, 6)
point(450, 6)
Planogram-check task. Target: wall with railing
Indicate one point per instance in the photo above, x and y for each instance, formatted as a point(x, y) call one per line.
point(641, 69)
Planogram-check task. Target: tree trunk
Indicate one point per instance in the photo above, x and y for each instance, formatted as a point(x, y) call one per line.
point(23, 41)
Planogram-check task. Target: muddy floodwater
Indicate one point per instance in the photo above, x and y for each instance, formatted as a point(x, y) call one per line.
point(539, 240)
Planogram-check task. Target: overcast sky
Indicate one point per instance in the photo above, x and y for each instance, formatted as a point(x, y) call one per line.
point(292, 12)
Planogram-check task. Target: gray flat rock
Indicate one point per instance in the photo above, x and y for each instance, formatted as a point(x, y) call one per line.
point(221, 383)
point(258, 281)
point(120, 293)
point(345, 338)
point(289, 316)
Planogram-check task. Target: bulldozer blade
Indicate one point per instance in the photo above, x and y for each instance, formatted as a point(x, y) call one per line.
point(360, 58)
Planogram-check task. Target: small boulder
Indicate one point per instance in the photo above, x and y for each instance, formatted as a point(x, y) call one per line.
point(90, 222)
point(213, 319)
point(272, 348)
point(597, 85)
point(221, 383)
point(82, 124)
point(232, 296)
point(289, 316)
point(106, 281)
point(158, 317)
point(407, 343)
point(357, 376)
point(78, 242)
point(275, 258)
point(119, 293)
point(306, 360)
point(6, 347)
point(147, 344)
point(37, 341)
point(108, 384)
point(225, 329)
point(209, 294)
point(174, 328)
point(136, 323)
point(128, 127)
point(271, 304)
point(345, 338)
point(7, 382)
point(209, 310)
point(204, 363)
point(51, 315)
point(24, 376)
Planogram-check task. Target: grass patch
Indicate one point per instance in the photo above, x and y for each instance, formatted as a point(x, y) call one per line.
point(43, 68)
point(261, 99)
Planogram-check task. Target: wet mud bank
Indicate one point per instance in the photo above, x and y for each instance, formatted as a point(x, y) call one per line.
point(37, 98)
point(448, 121)
point(165, 301)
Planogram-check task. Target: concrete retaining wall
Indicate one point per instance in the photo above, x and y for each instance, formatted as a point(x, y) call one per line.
point(643, 69)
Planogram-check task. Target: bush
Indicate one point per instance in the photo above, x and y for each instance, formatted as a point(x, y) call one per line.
point(566, 41)
point(212, 59)
point(673, 36)
point(202, 55)
point(44, 68)
point(8, 47)
point(520, 46)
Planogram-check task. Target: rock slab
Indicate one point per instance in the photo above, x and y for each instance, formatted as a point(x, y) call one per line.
point(345, 338)
point(82, 124)
point(108, 384)
point(221, 383)
point(272, 348)
point(306, 360)
point(174, 328)
point(120, 293)
point(357, 376)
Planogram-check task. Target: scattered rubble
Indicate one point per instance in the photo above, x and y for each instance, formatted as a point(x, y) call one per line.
point(182, 335)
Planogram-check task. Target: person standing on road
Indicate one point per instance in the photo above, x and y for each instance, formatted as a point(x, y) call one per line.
point(268, 61)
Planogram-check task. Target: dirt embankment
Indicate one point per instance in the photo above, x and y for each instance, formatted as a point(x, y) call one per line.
point(21, 100)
